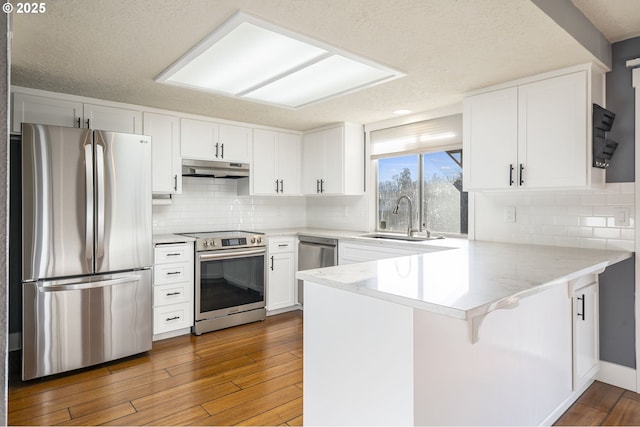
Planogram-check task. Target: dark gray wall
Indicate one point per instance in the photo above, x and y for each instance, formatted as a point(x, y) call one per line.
point(617, 283)
point(621, 100)
point(617, 319)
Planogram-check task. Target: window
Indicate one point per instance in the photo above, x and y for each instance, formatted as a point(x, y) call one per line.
point(430, 177)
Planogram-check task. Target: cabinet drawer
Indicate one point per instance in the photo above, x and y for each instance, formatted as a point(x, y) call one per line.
point(173, 253)
point(281, 245)
point(172, 293)
point(172, 317)
point(171, 273)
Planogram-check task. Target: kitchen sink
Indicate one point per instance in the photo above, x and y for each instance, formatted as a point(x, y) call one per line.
point(388, 236)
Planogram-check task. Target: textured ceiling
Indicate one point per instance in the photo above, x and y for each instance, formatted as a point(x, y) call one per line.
point(112, 49)
point(616, 19)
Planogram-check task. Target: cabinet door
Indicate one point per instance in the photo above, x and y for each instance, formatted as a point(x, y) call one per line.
point(553, 132)
point(46, 111)
point(198, 139)
point(112, 119)
point(235, 143)
point(289, 163)
point(312, 162)
point(263, 169)
point(165, 148)
point(333, 159)
point(490, 140)
point(585, 333)
point(281, 290)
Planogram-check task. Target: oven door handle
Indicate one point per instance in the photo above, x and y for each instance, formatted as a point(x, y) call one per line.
point(213, 255)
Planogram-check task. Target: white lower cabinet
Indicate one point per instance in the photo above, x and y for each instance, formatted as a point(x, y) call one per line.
point(172, 289)
point(586, 351)
point(281, 279)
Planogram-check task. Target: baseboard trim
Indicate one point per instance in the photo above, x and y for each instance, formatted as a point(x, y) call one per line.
point(618, 375)
point(557, 413)
point(284, 310)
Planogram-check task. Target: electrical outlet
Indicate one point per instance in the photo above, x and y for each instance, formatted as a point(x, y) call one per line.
point(510, 214)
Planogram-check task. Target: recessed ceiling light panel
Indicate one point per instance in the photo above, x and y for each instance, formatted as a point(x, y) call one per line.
point(250, 59)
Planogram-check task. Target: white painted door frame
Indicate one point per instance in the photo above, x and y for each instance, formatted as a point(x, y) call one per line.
point(636, 85)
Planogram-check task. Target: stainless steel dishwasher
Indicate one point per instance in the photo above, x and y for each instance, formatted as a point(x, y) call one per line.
point(315, 252)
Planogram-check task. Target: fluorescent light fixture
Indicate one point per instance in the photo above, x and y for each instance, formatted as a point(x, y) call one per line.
point(401, 112)
point(247, 58)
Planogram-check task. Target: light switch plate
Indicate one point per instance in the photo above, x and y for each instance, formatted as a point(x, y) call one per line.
point(621, 216)
point(510, 214)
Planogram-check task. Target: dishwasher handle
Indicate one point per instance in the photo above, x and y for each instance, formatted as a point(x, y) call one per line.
point(325, 241)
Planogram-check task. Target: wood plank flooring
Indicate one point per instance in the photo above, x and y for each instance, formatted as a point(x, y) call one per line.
point(603, 404)
point(247, 375)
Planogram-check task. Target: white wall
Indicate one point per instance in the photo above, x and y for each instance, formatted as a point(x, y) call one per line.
point(208, 204)
point(558, 218)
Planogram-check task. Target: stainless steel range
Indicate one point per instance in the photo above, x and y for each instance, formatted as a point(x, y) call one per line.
point(230, 271)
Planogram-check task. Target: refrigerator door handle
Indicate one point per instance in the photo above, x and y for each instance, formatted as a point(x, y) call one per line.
point(45, 287)
point(88, 162)
point(100, 190)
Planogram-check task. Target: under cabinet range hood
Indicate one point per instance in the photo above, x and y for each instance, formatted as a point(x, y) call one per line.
point(214, 169)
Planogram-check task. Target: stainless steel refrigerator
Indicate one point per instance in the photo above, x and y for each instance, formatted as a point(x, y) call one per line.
point(86, 247)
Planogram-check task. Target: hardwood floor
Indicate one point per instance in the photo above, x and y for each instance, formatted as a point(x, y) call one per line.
point(603, 404)
point(248, 375)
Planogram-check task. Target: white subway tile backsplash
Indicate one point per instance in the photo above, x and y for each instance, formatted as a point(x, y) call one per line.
point(593, 243)
point(606, 233)
point(559, 218)
point(593, 221)
point(213, 204)
point(623, 245)
point(593, 199)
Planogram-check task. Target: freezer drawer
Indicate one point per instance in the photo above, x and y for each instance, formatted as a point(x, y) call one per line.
point(70, 324)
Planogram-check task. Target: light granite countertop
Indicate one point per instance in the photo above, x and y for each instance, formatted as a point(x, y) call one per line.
point(171, 238)
point(468, 280)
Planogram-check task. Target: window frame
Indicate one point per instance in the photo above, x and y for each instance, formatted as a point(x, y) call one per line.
point(418, 205)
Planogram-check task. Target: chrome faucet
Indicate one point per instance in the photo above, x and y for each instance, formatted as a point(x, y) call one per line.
point(410, 229)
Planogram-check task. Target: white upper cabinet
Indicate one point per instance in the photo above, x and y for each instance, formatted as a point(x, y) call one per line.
point(289, 149)
point(112, 119)
point(61, 112)
point(552, 135)
point(490, 140)
point(165, 148)
point(46, 111)
point(276, 163)
point(533, 134)
point(198, 139)
point(235, 143)
point(205, 140)
point(333, 161)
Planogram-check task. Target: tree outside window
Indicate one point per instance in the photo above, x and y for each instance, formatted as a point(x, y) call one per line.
point(439, 204)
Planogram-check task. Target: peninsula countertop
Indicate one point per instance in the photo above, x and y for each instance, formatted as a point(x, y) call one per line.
point(468, 280)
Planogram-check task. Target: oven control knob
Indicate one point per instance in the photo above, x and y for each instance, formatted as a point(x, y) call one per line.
point(212, 242)
point(259, 240)
point(205, 243)
point(253, 240)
